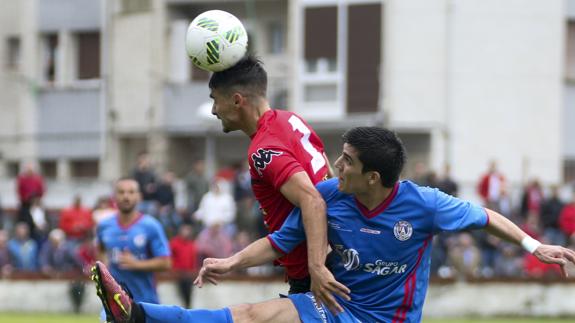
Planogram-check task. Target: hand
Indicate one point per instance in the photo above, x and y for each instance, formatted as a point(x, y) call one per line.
point(127, 260)
point(551, 254)
point(324, 285)
point(212, 270)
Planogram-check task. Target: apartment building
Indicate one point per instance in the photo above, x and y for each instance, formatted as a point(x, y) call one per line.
point(85, 85)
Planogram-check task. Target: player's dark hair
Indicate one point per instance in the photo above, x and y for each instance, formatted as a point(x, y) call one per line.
point(379, 150)
point(248, 74)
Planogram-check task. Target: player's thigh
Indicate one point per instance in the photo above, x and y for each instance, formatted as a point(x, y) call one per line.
point(277, 311)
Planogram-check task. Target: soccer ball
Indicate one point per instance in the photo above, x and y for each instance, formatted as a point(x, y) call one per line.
point(216, 40)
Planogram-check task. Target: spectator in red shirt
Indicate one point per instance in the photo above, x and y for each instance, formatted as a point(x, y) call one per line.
point(184, 261)
point(76, 221)
point(29, 184)
point(491, 186)
point(567, 218)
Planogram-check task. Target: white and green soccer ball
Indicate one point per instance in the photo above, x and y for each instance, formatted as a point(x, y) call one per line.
point(216, 40)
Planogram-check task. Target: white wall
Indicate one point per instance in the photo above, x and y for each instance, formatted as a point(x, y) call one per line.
point(488, 72)
point(507, 84)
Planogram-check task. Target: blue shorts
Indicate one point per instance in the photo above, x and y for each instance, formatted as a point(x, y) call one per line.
point(311, 311)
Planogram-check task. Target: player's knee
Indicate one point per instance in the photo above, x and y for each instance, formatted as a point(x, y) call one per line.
point(244, 313)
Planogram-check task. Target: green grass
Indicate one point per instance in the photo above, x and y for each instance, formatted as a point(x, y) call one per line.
point(48, 318)
point(92, 318)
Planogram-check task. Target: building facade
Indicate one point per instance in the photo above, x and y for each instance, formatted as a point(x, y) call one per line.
point(86, 85)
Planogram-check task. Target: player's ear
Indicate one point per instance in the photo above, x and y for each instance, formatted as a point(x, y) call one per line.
point(374, 177)
point(237, 98)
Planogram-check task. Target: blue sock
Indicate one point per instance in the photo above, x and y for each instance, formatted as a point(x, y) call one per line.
point(167, 313)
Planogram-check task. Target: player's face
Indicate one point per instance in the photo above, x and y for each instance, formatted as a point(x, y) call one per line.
point(225, 110)
point(127, 195)
point(351, 178)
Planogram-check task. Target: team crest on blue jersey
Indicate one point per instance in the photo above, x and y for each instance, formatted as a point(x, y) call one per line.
point(402, 230)
point(263, 157)
point(140, 240)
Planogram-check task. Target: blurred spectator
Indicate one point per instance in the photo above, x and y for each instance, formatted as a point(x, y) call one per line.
point(28, 185)
point(489, 246)
point(166, 200)
point(567, 218)
point(35, 217)
point(57, 256)
point(508, 262)
point(420, 174)
point(491, 186)
point(446, 184)
point(217, 206)
point(244, 199)
point(550, 211)
point(531, 199)
point(466, 257)
point(87, 252)
point(23, 250)
point(76, 221)
point(184, 262)
point(537, 269)
point(196, 185)
point(531, 227)
point(504, 205)
point(104, 209)
point(146, 177)
point(213, 242)
point(5, 263)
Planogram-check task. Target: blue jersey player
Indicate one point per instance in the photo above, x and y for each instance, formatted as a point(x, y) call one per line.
point(380, 229)
point(134, 244)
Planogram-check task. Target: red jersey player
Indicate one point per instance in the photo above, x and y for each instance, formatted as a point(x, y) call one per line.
point(286, 160)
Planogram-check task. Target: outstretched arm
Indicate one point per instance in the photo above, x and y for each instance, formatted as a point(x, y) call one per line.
point(301, 192)
point(257, 253)
point(502, 227)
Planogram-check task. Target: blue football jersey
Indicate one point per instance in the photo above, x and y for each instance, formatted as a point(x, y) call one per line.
point(144, 238)
point(383, 255)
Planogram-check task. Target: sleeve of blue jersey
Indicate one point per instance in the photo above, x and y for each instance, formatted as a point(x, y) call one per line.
point(453, 214)
point(290, 235)
point(327, 188)
point(159, 242)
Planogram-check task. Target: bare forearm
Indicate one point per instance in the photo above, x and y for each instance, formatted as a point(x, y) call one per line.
point(153, 264)
point(315, 225)
point(257, 253)
point(503, 228)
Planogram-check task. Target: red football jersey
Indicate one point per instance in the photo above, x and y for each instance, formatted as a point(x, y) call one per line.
point(282, 146)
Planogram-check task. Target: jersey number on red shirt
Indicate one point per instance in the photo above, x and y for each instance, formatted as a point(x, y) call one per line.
point(317, 160)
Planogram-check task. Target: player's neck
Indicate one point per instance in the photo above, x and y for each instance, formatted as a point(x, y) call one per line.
point(373, 198)
point(127, 218)
point(255, 114)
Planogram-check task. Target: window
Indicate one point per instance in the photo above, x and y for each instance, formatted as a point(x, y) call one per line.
point(570, 51)
point(276, 38)
point(48, 168)
point(12, 169)
point(12, 53)
point(363, 57)
point(50, 57)
point(84, 168)
point(88, 55)
point(320, 38)
point(134, 6)
point(568, 170)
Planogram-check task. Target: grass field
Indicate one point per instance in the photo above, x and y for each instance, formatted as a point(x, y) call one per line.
point(51, 318)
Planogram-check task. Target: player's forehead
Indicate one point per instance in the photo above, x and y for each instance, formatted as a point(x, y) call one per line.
point(126, 185)
point(350, 151)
